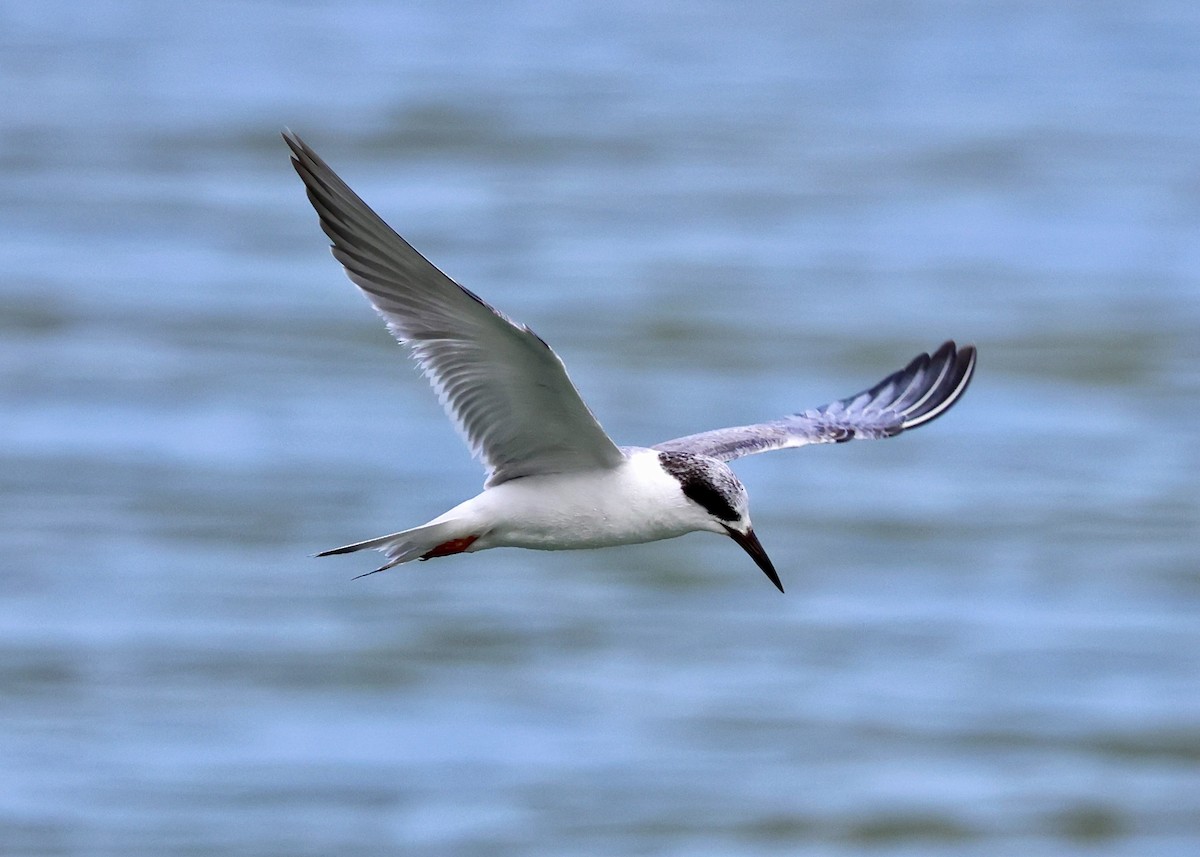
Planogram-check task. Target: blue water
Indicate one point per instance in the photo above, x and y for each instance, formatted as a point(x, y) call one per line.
point(716, 213)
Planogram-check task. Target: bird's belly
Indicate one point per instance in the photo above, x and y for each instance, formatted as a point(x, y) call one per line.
point(576, 532)
point(567, 513)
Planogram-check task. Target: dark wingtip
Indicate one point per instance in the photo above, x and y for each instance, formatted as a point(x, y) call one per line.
point(955, 380)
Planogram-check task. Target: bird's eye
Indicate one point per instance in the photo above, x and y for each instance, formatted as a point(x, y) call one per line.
point(713, 501)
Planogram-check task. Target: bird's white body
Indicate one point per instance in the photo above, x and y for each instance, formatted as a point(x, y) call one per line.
point(635, 502)
point(556, 480)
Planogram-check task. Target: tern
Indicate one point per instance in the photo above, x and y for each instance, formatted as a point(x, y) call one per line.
point(555, 480)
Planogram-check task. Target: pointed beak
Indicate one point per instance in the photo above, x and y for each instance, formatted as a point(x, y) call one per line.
point(751, 545)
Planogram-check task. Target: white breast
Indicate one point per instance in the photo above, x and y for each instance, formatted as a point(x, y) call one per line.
point(635, 502)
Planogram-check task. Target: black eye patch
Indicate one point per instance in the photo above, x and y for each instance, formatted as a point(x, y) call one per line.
point(701, 484)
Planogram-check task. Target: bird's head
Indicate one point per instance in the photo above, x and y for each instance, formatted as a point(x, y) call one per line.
point(721, 500)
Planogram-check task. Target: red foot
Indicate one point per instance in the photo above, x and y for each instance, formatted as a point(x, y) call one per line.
point(451, 547)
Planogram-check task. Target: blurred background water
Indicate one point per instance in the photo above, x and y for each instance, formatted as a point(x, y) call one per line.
point(716, 213)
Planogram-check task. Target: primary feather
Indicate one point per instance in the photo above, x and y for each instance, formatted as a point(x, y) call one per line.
point(919, 393)
point(505, 389)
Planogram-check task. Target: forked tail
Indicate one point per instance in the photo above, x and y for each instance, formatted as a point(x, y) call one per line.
point(437, 539)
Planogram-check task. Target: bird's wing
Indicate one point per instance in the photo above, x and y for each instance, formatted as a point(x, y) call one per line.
point(920, 392)
point(503, 386)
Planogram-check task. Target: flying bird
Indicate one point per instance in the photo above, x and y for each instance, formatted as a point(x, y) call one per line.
point(555, 480)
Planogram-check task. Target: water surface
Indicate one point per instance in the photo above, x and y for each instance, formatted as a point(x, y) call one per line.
point(715, 214)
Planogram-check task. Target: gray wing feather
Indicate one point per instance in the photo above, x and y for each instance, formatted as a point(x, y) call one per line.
point(506, 390)
point(919, 393)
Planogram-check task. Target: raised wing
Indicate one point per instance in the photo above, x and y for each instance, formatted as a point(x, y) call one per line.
point(503, 386)
point(920, 392)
